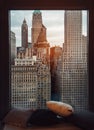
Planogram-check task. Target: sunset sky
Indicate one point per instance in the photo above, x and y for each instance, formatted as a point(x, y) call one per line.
point(53, 20)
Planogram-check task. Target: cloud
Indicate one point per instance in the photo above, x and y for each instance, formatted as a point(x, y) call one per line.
point(16, 18)
point(53, 20)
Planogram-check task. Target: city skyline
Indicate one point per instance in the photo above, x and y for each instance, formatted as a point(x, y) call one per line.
point(52, 19)
point(68, 77)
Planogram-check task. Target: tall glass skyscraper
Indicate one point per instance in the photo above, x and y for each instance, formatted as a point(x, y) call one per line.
point(74, 63)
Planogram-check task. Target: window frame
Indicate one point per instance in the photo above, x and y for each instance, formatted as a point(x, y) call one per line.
point(5, 7)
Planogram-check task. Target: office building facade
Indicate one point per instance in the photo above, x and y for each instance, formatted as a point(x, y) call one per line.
point(74, 63)
point(13, 46)
point(30, 84)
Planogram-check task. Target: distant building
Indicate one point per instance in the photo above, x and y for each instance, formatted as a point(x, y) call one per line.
point(85, 49)
point(23, 87)
point(44, 85)
point(24, 52)
point(55, 57)
point(42, 47)
point(24, 34)
point(30, 84)
point(29, 45)
point(21, 52)
point(13, 46)
point(36, 25)
point(31, 77)
point(74, 63)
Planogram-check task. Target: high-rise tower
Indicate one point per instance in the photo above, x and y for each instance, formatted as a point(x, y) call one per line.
point(41, 47)
point(36, 25)
point(32, 86)
point(13, 46)
point(74, 66)
point(73, 35)
point(24, 32)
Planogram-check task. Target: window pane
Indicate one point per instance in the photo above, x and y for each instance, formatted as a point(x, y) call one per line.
point(49, 58)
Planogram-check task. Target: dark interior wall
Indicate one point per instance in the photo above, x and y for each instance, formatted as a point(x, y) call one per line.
point(4, 63)
point(4, 41)
point(91, 57)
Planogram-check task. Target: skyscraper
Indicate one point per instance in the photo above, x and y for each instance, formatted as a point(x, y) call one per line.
point(41, 47)
point(30, 84)
point(13, 46)
point(31, 78)
point(36, 25)
point(55, 57)
point(74, 63)
point(24, 33)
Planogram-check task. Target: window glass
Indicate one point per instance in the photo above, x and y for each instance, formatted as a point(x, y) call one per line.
point(49, 58)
